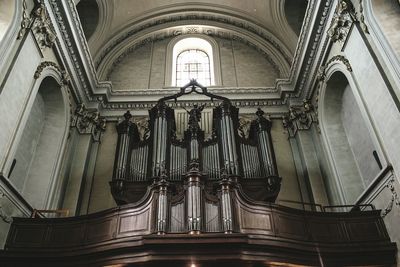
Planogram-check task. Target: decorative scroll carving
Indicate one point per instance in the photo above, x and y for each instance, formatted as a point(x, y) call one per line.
point(42, 27)
point(344, 16)
point(25, 23)
point(88, 122)
point(143, 126)
point(394, 200)
point(341, 21)
point(244, 126)
point(299, 118)
point(6, 218)
point(65, 78)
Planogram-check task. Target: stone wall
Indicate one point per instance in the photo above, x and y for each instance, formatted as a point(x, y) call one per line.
point(241, 66)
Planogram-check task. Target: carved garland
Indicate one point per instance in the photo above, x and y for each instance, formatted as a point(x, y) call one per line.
point(65, 78)
point(40, 23)
point(3, 215)
point(394, 200)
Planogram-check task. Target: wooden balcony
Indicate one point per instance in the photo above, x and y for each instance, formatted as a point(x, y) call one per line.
point(264, 235)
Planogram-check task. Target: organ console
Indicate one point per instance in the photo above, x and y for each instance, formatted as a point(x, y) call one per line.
point(194, 176)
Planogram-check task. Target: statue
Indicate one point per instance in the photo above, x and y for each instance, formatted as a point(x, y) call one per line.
point(195, 116)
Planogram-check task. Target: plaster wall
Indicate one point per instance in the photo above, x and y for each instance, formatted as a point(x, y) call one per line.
point(382, 111)
point(241, 65)
point(358, 137)
point(388, 15)
point(290, 189)
point(28, 144)
point(15, 95)
point(100, 197)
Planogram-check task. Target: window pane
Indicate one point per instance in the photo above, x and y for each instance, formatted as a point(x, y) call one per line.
point(193, 64)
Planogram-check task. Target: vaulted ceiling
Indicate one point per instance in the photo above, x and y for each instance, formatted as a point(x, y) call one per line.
point(113, 26)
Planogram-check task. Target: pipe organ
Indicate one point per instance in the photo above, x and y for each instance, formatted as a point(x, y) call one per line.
point(194, 176)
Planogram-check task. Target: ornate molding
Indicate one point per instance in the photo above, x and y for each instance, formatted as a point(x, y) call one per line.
point(150, 104)
point(65, 78)
point(321, 76)
point(299, 118)
point(88, 122)
point(6, 218)
point(394, 199)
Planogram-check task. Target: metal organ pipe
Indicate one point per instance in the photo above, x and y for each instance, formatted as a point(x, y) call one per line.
point(126, 132)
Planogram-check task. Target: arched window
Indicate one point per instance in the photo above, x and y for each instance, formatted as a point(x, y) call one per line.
point(192, 58)
point(193, 64)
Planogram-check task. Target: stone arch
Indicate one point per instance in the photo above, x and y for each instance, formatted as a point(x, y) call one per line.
point(40, 145)
point(348, 137)
point(89, 14)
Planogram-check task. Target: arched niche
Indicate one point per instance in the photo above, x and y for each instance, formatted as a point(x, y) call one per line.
point(7, 10)
point(88, 11)
point(350, 145)
point(37, 157)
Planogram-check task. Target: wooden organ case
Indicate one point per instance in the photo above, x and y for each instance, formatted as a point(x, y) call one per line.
point(195, 176)
point(199, 202)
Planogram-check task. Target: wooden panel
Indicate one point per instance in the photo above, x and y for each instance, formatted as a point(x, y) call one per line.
point(134, 223)
point(255, 220)
point(290, 226)
point(29, 235)
point(66, 234)
point(364, 231)
point(327, 230)
point(100, 230)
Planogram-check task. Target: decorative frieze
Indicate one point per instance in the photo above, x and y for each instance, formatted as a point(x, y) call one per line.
point(299, 118)
point(88, 122)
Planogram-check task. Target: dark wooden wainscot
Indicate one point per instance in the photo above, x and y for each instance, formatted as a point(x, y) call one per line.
point(264, 235)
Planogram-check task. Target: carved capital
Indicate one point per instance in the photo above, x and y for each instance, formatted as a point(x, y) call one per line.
point(88, 122)
point(299, 118)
